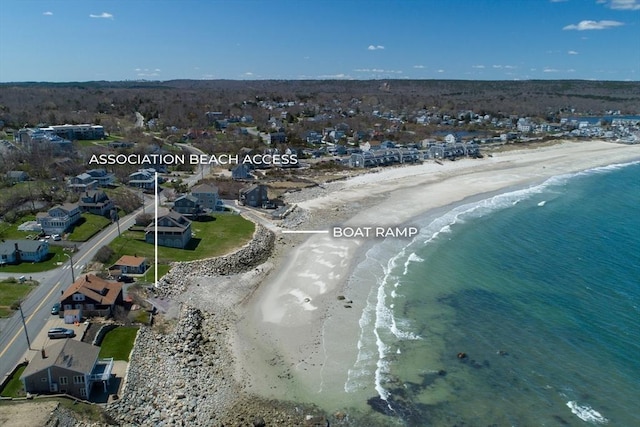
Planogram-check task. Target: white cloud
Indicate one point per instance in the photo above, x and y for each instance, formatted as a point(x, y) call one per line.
point(103, 15)
point(624, 4)
point(572, 52)
point(441, 70)
point(248, 74)
point(477, 66)
point(377, 47)
point(47, 13)
point(147, 72)
point(340, 76)
point(419, 66)
point(377, 70)
point(550, 70)
point(593, 25)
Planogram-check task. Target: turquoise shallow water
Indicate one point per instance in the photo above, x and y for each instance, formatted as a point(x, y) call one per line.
point(539, 288)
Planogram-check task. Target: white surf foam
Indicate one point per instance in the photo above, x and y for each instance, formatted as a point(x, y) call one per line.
point(586, 413)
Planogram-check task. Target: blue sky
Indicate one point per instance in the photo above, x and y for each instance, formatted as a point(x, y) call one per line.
point(68, 40)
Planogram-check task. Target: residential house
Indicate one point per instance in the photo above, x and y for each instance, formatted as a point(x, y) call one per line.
point(93, 295)
point(213, 116)
point(104, 178)
point(143, 178)
point(96, 202)
point(131, 264)
point(313, 137)
point(187, 205)
point(174, 231)
point(17, 251)
point(17, 176)
point(207, 196)
point(383, 157)
point(254, 196)
point(241, 171)
point(59, 218)
point(277, 138)
point(68, 366)
point(83, 182)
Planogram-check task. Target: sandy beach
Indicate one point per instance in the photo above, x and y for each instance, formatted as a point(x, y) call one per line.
point(297, 337)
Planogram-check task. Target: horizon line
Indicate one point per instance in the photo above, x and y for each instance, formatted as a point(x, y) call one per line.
point(309, 80)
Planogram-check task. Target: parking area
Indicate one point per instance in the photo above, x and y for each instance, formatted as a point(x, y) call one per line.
point(98, 395)
point(43, 341)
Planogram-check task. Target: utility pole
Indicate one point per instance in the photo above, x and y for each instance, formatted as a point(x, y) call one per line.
point(24, 323)
point(73, 274)
point(115, 217)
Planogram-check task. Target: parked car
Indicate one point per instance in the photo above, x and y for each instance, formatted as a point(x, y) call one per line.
point(56, 308)
point(56, 237)
point(61, 333)
point(125, 279)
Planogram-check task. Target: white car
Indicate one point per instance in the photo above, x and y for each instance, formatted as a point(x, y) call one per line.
point(61, 333)
point(56, 237)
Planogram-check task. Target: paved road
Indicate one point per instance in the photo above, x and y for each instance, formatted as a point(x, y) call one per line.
point(37, 306)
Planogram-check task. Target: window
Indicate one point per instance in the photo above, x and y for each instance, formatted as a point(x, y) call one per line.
point(83, 392)
point(44, 379)
point(78, 379)
point(63, 380)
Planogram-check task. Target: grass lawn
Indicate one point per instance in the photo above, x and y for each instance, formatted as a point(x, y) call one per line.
point(12, 291)
point(118, 343)
point(10, 231)
point(150, 275)
point(215, 235)
point(53, 260)
point(87, 227)
point(14, 386)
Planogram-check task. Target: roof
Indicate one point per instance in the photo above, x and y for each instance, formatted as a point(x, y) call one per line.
point(67, 207)
point(84, 176)
point(173, 221)
point(99, 290)
point(69, 354)
point(8, 247)
point(130, 260)
point(192, 199)
point(251, 188)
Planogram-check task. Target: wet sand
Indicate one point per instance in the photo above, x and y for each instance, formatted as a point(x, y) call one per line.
point(297, 337)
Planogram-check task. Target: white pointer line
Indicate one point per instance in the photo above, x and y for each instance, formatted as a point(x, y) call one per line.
point(305, 231)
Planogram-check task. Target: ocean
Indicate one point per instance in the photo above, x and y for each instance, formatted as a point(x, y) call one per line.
point(517, 309)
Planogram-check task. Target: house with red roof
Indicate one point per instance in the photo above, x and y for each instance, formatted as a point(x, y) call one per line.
point(92, 295)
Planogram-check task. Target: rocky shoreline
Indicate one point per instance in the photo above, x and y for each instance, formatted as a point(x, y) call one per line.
point(254, 253)
point(184, 376)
